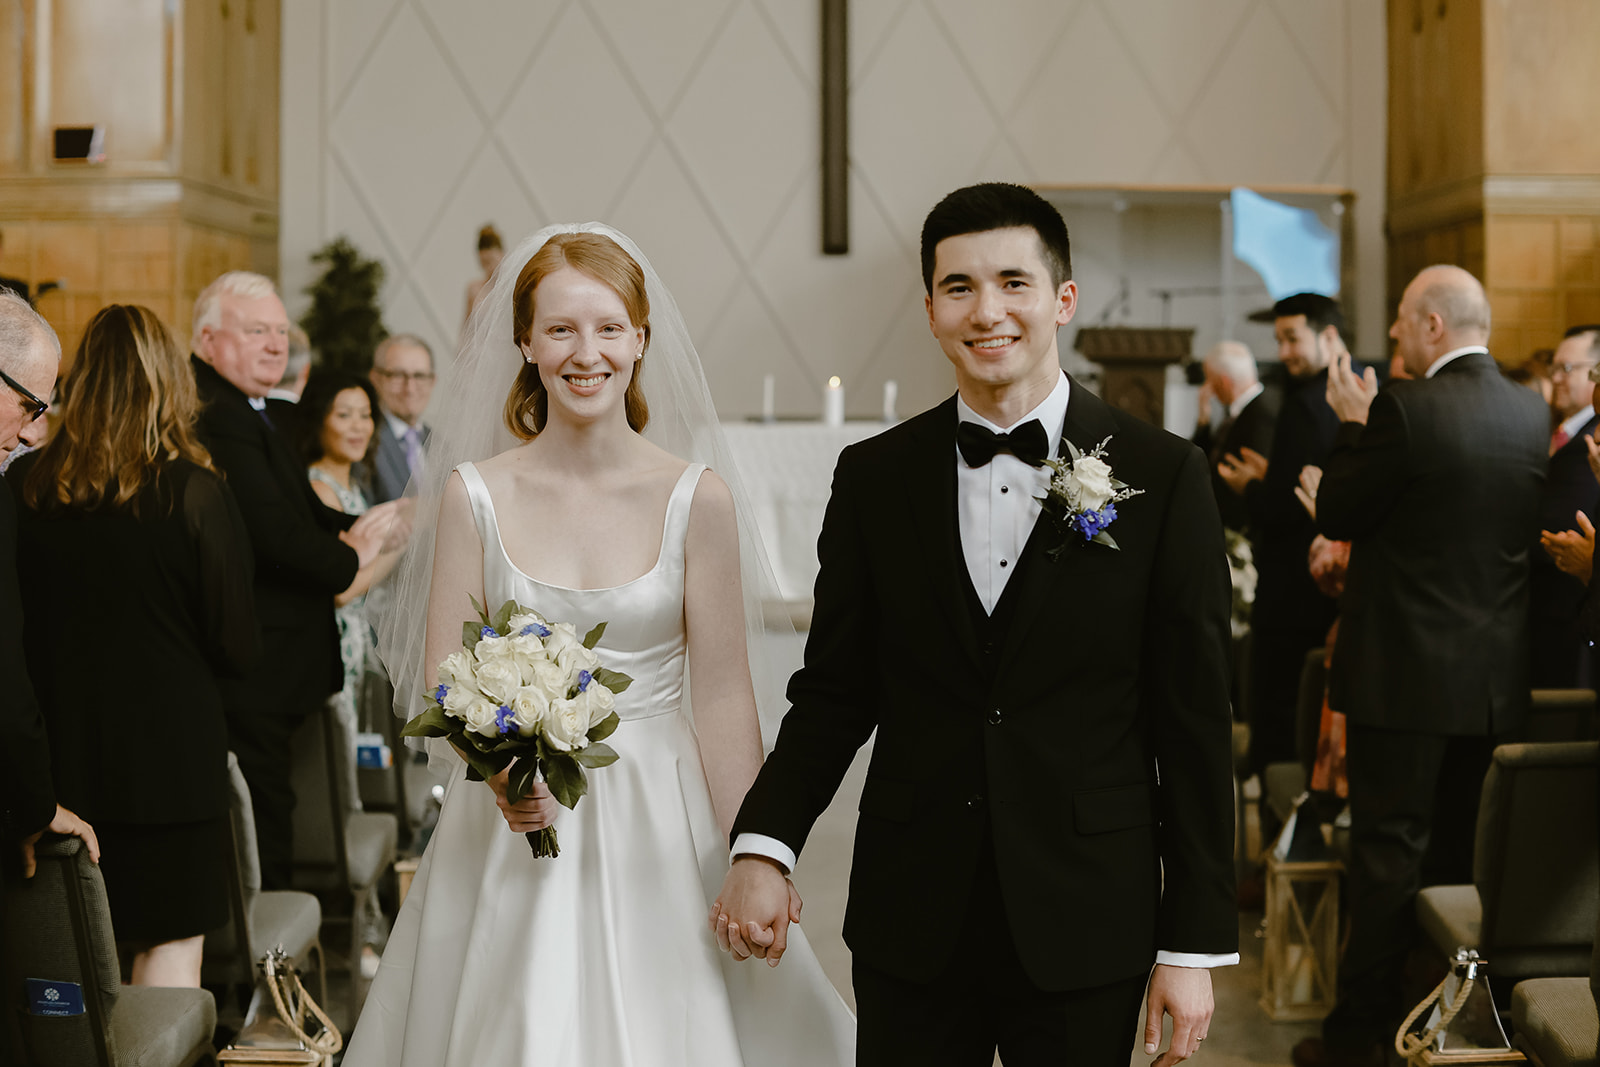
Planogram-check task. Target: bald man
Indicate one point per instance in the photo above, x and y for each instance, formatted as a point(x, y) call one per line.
point(1436, 482)
point(1250, 413)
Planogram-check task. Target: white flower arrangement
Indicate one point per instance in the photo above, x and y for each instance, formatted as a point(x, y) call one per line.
point(526, 693)
point(1084, 494)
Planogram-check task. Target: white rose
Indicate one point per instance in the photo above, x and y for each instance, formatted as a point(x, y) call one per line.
point(492, 648)
point(458, 668)
point(530, 705)
point(562, 636)
point(596, 702)
point(499, 679)
point(476, 710)
point(575, 658)
point(540, 671)
point(1094, 482)
point(566, 725)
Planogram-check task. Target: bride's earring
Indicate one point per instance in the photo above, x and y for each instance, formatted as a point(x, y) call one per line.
point(639, 356)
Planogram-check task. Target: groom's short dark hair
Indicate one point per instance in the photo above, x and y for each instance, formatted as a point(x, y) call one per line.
point(997, 206)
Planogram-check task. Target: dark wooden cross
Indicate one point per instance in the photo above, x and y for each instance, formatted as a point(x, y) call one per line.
point(835, 128)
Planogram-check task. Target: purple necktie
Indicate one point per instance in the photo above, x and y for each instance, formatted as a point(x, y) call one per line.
point(413, 442)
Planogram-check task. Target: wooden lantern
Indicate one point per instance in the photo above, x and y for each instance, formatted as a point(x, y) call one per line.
point(1300, 961)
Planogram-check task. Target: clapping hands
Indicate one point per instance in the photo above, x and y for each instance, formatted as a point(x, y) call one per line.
point(1306, 491)
point(752, 914)
point(383, 528)
point(1573, 550)
point(1349, 395)
point(1242, 469)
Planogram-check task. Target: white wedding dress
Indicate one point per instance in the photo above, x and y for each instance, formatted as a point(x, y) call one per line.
point(600, 957)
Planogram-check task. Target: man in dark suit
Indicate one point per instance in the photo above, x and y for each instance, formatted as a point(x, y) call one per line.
point(1560, 650)
point(1291, 615)
point(402, 372)
point(1436, 483)
point(1051, 711)
point(305, 552)
point(1250, 415)
point(29, 357)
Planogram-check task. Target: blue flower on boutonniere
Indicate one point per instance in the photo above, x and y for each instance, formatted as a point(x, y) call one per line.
point(1084, 494)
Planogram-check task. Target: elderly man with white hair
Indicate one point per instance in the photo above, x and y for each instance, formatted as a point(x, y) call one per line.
point(305, 552)
point(1250, 414)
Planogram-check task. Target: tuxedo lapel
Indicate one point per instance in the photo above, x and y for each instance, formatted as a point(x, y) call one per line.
point(1043, 580)
point(931, 488)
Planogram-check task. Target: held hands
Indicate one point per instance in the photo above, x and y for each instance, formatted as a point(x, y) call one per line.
point(533, 812)
point(1185, 994)
point(1572, 550)
point(375, 530)
point(1306, 491)
point(1348, 395)
point(1242, 469)
point(65, 822)
point(752, 914)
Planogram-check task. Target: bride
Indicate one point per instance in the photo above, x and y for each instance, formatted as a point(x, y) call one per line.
point(600, 956)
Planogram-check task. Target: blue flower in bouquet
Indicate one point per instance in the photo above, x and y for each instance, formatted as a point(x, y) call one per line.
point(584, 678)
point(534, 628)
point(503, 718)
point(1084, 493)
point(440, 693)
point(1090, 523)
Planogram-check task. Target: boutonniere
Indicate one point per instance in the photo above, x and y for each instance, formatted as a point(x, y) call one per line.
point(1083, 495)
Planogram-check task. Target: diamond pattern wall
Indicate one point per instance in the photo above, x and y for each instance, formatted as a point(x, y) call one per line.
point(693, 126)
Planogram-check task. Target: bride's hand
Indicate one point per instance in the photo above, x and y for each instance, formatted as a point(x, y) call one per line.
point(533, 812)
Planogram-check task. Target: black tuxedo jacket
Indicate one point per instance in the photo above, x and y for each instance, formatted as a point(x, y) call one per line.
point(300, 561)
point(1281, 530)
point(1439, 495)
point(1253, 428)
point(1559, 639)
point(1096, 760)
point(27, 799)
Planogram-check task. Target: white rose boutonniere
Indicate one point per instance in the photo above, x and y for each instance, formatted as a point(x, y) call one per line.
point(1084, 494)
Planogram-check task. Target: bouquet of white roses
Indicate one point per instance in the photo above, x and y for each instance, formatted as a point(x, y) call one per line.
point(526, 693)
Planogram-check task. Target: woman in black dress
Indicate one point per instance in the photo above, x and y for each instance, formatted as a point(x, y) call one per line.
point(136, 575)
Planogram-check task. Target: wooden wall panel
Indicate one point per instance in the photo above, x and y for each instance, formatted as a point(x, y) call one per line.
point(109, 63)
point(13, 86)
point(1541, 67)
point(230, 121)
point(1543, 278)
point(1435, 94)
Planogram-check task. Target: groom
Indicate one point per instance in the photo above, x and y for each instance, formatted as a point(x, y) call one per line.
point(1047, 821)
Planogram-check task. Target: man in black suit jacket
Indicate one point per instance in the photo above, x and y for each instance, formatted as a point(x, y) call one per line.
point(1051, 712)
point(1560, 652)
point(1291, 615)
point(305, 552)
point(402, 372)
point(1250, 415)
point(1436, 483)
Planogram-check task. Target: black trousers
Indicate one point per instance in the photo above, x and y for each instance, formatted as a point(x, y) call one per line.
point(1277, 659)
point(261, 743)
point(984, 1000)
point(1413, 811)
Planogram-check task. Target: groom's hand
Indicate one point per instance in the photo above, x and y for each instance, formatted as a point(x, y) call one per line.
point(752, 914)
point(1185, 994)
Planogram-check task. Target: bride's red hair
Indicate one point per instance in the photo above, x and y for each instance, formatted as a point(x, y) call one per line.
point(604, 260)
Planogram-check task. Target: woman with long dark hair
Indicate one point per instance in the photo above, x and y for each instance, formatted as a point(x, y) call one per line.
point(136, 588)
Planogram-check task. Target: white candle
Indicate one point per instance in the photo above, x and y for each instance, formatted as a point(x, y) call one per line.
point(769, 398)
point(833, 403)
point(891, 393)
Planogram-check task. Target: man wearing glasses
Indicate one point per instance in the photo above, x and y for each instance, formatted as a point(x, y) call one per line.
point(402, 372)
point(1560, 653)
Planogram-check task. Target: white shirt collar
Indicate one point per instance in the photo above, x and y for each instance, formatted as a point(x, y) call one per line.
point(1574, 424)
point(1243, 399)
point(1453, 355)
point(397, 426)
point(257, 402)
point(1051, 411)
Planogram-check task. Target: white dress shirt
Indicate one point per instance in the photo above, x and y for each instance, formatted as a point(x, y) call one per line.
point(997, 505)
point(1451, 356)
point(1573, 425)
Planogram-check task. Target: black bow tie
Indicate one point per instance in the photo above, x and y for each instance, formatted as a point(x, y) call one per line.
point(978, 444)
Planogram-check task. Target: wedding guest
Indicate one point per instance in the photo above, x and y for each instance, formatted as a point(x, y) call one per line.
point(334, 436)
point(1560, 642)
point(306, 553)
point(491, 250)
point(282, 397)
point(123, 516)
point(1431, 667)
point(1290, 616)
point(402, 371)
point(1250, 414)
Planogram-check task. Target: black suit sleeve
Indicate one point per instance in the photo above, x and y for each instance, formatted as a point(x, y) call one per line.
point(832, 712)
point(227, 575)
point(282, 540)
point(26, 791)
point(1185, 702)
point(1365, 473)
point(1296, 444)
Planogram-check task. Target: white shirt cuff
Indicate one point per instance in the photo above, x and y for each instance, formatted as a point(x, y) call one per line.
point(762, 845)
point(1195, 959)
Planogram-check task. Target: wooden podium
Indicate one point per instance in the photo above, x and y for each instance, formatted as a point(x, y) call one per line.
point(1135, 359)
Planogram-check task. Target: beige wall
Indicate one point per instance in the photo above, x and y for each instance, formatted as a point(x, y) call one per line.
point(693, 126)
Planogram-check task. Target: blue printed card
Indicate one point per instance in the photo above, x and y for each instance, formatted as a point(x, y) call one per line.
point(54, 998)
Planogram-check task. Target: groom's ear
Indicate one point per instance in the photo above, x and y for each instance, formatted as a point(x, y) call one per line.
point(1066, 302)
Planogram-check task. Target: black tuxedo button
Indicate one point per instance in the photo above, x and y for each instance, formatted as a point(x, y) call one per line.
point(975, 802)
point(994, 716)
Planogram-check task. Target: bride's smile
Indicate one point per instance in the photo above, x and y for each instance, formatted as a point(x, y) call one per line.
point(583, 342)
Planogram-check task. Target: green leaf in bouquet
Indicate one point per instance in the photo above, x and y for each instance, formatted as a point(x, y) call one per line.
point(471, 634)
point(431, 723)
point(604, 728)
point(596, 755)
point(477, 607)
point(565, 778)
point(1103, 538)
point(487, 764)
point(615, 681)
point(592, 638)
point(520, 783)
point(503, 616)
